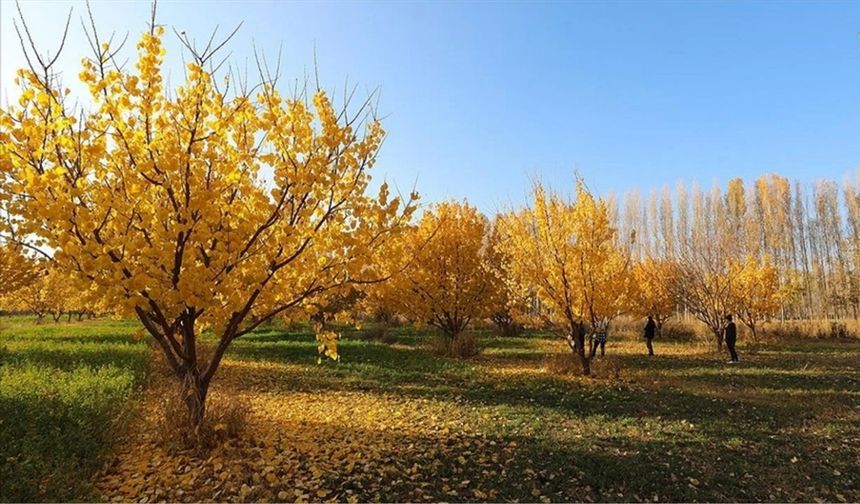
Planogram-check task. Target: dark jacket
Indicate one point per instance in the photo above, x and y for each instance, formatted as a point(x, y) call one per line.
point(731, 331)
point(650, 329)
point(579, 334)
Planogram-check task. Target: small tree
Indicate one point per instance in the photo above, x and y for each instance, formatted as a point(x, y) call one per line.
point(39, 297)
point(706, 290)
point(757, 295)
point(653, 290)
point(565, 253)
point(448, 284)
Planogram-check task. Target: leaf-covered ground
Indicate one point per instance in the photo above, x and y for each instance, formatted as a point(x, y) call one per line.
point(394, 423)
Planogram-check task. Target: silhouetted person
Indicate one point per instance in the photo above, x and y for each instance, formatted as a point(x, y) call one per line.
point(578, 337)
point(650, 332)
point(731, 333)
point(599, 340)
point(579, 334)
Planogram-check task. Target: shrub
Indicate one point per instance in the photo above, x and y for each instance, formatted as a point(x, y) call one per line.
point(226, 418)
point(837, 330)
point(380, 332)
point(462, 346)
point(678, 330)
point(628, 327)
point(821, 329)
point(505, 325)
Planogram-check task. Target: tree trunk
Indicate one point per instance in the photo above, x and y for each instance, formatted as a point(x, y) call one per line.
point(578, 348)
point(718, 333)
point(586, 363)
point(194, 393)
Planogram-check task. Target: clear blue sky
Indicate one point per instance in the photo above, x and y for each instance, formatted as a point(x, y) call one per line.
point(482, 97)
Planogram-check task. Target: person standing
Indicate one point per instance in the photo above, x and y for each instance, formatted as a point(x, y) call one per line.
point(650, 332)
point(599, 339)
point(577, 337)
point(731, 334)
point(580, 334)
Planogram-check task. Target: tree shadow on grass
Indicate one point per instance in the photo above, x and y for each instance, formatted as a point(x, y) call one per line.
point(74, 355)
point(51, 447)
point(817, 346)
point(110, 339)
point(400, 463)
point(719, 404)
point(365, 364)
point(535, 395)
point(741, 431)
point(778, 380)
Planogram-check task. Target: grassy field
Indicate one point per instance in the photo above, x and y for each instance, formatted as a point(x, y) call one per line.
point(65, 391)
point(393, 422)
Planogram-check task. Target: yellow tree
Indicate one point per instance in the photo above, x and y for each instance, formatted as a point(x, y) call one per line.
point(705, 287)
point(449, 283)
point(756, 294)
point(652, 290)
point(566, 254)
point(197, 208)
point(509, 303)
point(48, 293)
point(87, 302)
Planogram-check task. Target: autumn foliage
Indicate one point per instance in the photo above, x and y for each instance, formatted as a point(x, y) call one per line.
point(565, 253)
point(16, 270)
point(757, 294)
point(158, 197)
point(652, 291)
point(448, 282)
point(206, 208)
point(215, 207)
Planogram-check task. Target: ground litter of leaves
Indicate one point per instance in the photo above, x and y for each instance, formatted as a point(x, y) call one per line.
point(504, 428)
point(306, 446)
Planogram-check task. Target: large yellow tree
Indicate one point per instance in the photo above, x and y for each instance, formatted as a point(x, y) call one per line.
point(449, 283)
point(565, 253)
point(209, 206)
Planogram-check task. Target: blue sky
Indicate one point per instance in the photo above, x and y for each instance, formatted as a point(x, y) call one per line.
point(480, 98)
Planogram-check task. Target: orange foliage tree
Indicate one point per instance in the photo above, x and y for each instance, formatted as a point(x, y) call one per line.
point(198, 208)
point(756, 293)
point(565, 253)
point(652, 290)
point(448, 283)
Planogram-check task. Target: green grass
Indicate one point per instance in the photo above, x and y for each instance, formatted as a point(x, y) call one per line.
point(783, 425)
point(65, 389)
